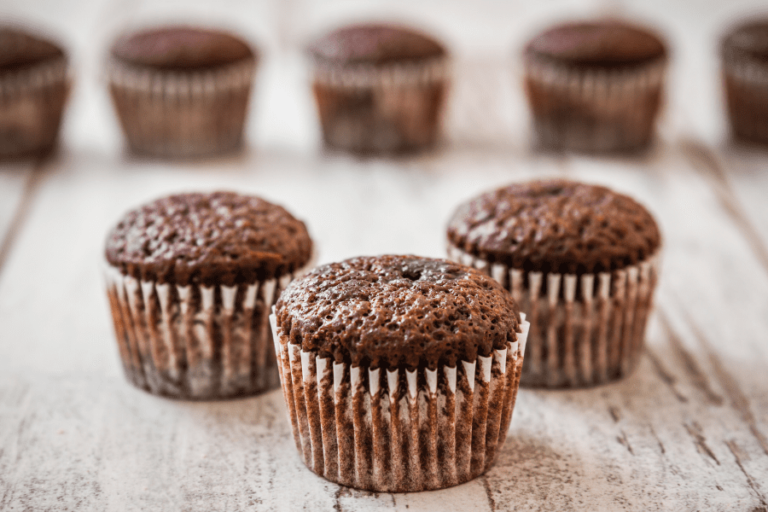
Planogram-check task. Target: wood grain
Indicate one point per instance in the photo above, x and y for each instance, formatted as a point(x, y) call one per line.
point(687, 431)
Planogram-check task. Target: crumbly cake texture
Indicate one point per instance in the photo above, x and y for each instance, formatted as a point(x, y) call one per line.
point(607, 43)
point(374, 44)
point(555, 226)
point(222, 238)
point(181, 48)
point(19, 50)
point(397, 311)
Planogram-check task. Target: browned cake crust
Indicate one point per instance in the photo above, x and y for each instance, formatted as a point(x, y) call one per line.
point(555, 226)
point(607, 43)
point(186, 48)
point(397, 311)
point(221, 238)
point(374, 44)
point(19, 50)
point(749, 40)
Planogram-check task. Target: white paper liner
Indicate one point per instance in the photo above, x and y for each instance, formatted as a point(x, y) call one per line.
point(181, 114)
point(388, 108)
point(195, 342)
point(585, 330)
point(746, 90)
point(597, 109)
point(31, 104)
point(399, 430)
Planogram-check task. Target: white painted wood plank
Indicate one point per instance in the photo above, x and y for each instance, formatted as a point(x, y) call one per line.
point(684, 432)
point(14, 179)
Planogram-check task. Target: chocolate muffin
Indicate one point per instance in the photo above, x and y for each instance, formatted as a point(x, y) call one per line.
point(379, 88)
point(191, 279)
point(33, 90)
point(582, 263)
point(400, 373)
point(595, 86)
point(181, 91)
point(744, 54)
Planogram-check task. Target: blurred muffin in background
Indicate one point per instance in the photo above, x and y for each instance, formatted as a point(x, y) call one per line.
point(181, 91)
point(379, 88)
point(744, 54)
point(595, 86)
point(33, 91)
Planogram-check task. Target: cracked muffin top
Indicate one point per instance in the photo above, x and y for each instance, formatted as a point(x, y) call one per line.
point(221, 238)
point(601, 43)
point(181, 48)
point(20, 50)
point(749, 40)
point(374, 44)
point(397, 311)
point(555, 226)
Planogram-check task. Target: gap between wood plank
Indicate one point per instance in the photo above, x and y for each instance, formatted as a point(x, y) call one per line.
point(14, 228)
point(738, 399)
point(735, 450)
point(706, 163)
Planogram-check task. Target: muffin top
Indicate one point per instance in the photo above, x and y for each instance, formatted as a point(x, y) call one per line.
point(606, 43)
point(181, 48)
point(555, 226)
point(19, 49)
point(221, 238)
point(398, 311)
point(748, 40)
point(374, 44)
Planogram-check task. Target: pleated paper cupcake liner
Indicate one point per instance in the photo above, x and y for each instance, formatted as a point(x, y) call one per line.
point(399, 430)
point(31, 106)
point(391, 108)
point(195, 342)
point(746, 90)
point(586, 329)
point(182, 114)
point(594, 110)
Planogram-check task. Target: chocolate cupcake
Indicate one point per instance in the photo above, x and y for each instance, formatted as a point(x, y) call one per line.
point(744, 53)
point(181, 91)
point(580, 260)
point(595, 86)
point(400, 373)
point(379, 88)
point(191, 279)
point(33, 90)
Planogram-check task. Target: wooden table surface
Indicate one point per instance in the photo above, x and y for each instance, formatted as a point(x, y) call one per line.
point(687, 431)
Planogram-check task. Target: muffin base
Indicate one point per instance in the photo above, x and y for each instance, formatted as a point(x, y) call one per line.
point(31, 107)
point(594, 110)
point(178, 114)
point(392, 109)
point(746, 92)
point(399, 430)
point(195, 342)
point(586, 329)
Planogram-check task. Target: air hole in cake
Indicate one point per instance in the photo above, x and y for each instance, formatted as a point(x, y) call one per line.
point(412, 274)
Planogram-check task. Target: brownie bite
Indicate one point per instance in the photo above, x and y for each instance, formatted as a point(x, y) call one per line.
point(399, 372)
point(744, 61)
point(595, 86)
point(191, 279)
point(582, 263)
point(379, 88)
point(181, 91)
point(33, 90)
